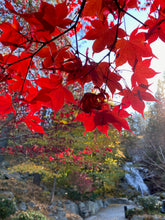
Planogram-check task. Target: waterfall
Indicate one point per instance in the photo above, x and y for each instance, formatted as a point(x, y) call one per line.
point(134, 179)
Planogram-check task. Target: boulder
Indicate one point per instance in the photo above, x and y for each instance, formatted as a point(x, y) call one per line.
point(100, 203)
point(162, 195)
point(8, 175)
point(72, 216)
point(7, 194)
point(31, 205)
point(83, 211)
point(61, 214)
point(71, 207)
point(92, 207)
point(22, 206)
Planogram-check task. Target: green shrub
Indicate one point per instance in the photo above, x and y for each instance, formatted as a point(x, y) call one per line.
point(7, 207)
point(30, 215)
point(134, 211)
point(149, 203)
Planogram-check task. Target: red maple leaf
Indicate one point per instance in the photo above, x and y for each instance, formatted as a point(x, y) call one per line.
point(142, 72)
point(132, 50)
point(104, 75)
point(91, 71)
point(53, 56)
point(52, 94)
point(11, 35)
point(93, 8)
point(156, 29)
point(91, 101)
point(101, 8)
point(157, 5)
point(77, 71)
point(19, 65)
point(101, 120)
point(47, 18)
point(32, 122)
point(6, 105)
point(103, 35)
point(135, 98)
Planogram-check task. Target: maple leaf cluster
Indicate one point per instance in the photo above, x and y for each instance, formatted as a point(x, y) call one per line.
point(40, 61)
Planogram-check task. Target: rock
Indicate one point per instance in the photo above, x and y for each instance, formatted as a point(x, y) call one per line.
point(72, 216)
point(105, 203)
point(120, 201)
point(162, 195)
point(25, 176)
point(60, 192)
point(92, 207)
point(15, 175)
point(71, 207)
point(100, 203)
point(163, 206)
point(7, 194)
point(5, 164)
point(83, 211)
point(51, 214)
point(61, 214)
point(51, 207)
point(57, 213)
point(31, 205)
point(22, 206)
point(54, 203)
point(59, 203)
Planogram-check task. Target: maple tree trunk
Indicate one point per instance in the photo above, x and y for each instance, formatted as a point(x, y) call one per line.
point(53, 190)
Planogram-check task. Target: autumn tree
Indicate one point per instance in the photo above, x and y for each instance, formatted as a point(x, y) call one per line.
point(153, 140)
point(37, 68)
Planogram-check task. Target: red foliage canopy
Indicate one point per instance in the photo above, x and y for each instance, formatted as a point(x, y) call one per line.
point(39, 61)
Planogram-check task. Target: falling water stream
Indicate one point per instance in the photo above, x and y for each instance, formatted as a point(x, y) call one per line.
point(134, 179)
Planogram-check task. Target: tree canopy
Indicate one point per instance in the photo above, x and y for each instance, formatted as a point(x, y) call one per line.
point(42, 65)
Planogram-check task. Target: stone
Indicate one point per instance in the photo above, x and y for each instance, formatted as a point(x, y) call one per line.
point(22, 206)
point(59, 203)
point(7, 194)
point(91, 207)
point(72, 216)
point(83, 211)
point(31, 205)
point(162, 195)
point(100, 203)
point(71, 207)
point(61, 213)
point(60, 192)
point(105, 203)
point(163, 206)
point(54, 203)
point(15, 175)
point(25, 176)
point(5, 164)
point(120, 201)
